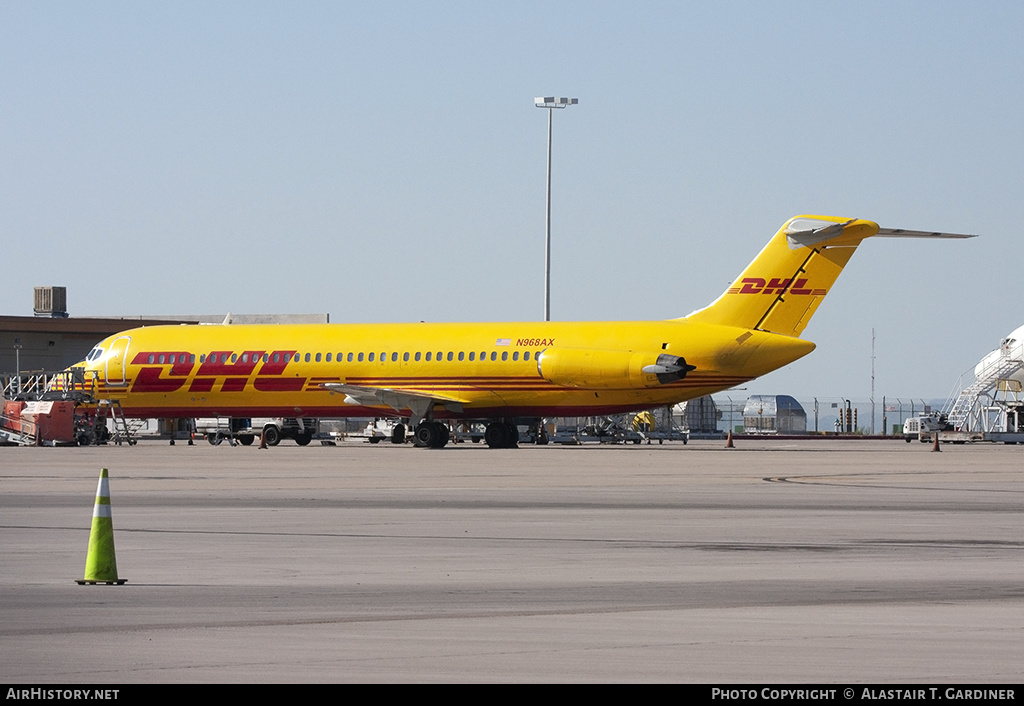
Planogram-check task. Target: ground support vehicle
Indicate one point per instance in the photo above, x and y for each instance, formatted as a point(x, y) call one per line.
point(245, 430)
point(384, 429)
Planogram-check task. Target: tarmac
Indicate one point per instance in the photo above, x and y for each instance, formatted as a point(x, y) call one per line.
point(775, 562)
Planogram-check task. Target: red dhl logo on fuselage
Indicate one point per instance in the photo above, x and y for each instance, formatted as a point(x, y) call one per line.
point(234, 368)
point(777, 285)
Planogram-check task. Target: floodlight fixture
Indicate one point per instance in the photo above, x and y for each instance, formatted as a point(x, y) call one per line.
point(551, 102)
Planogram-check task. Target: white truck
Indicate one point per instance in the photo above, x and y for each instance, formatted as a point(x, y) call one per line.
point(245, 430)
point(926, 425)
point(925, 422)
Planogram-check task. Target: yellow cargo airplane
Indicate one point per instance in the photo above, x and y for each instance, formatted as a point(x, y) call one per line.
point(493, 372)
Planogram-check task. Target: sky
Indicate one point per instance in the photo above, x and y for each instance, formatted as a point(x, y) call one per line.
point(385, 162)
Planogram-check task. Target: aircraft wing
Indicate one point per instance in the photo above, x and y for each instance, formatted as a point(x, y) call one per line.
point(396, 398)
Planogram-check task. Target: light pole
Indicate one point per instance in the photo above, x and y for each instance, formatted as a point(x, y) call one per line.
point(17, 363)
point(551, 104)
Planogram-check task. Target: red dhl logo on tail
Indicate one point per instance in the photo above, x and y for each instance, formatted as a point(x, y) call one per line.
point(218, 364)
point(777, 285)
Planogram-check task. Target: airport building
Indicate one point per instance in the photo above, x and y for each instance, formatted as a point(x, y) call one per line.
point(52, 340)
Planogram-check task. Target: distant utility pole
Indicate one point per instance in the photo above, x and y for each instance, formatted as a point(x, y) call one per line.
point(551, 104)
point(872, 381)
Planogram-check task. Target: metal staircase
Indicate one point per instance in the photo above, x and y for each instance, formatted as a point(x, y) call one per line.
point(122, 433)
point(974, 406)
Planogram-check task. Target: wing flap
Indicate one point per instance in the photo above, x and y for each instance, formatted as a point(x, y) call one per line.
point(398, 399)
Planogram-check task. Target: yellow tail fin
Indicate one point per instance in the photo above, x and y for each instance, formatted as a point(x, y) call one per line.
point(781, 289)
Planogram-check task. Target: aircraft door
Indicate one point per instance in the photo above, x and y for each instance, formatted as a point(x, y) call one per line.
point(115, 367)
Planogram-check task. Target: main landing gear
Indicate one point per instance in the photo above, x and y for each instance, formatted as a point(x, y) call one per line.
point(435, 435)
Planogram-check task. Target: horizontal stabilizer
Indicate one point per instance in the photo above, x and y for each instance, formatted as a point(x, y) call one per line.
point(903, 233)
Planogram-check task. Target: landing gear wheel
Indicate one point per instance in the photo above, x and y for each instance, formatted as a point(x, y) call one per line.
point(496, 435)
point(502, 435)
point(271, 436)
point(246, 440)
point(513, 436)
point(425, 434)
point(398, 434)
point(433, 435)
point(304, 439)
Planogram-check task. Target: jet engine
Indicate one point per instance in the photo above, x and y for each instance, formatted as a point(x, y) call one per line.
point(595, 369)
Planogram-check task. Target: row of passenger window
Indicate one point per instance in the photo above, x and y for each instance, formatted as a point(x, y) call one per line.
point(418, 356)
point(173, 358)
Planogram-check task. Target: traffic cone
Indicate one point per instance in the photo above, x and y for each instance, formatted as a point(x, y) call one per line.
point(728, 441)
point(935, 444)
point(100, 564)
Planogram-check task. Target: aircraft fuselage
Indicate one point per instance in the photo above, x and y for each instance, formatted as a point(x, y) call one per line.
point(473, 370)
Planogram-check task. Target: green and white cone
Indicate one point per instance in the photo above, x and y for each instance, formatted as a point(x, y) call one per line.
point(100, 564)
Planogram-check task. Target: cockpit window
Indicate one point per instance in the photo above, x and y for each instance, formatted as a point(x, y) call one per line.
point(95, 354)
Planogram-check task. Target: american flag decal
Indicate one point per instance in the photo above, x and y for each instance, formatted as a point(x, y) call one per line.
point(503, 342)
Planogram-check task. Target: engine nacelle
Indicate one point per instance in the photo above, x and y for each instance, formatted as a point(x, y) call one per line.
point(594, 369)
